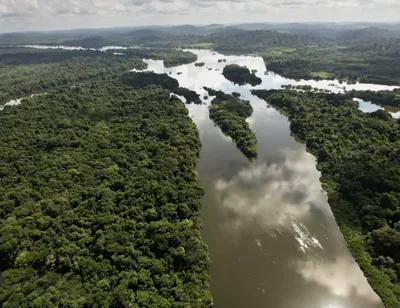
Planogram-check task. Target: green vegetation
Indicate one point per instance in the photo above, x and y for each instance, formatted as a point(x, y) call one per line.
point(230, 114)
point(340, 63)
point(205, 45)
point(189, 95)
point(100, 201)
point(171, 57)
point(24, 71)
point(359, 159)
point(322, 75)
point(240, 75)
point(143, 79)
point(383, 98)
point(20, 80)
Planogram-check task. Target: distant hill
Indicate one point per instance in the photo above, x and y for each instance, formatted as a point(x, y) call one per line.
point(370, 33)
point(145, 35)
point(242, 41)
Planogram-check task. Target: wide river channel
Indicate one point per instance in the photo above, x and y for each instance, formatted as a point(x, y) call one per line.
point(272, 237)
point(271, 234)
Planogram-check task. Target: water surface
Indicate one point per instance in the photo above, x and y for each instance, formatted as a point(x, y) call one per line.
point(271, 234)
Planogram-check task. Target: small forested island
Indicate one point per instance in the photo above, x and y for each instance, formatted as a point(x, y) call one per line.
point(240, 75)
point(358, 155)
point(230, 114)
point(189, 95)
point(142, 79)
point(139, 80)
point(200, 64)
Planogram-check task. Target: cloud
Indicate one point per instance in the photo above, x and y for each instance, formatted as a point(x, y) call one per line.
point(26, 8)
point(18, 8)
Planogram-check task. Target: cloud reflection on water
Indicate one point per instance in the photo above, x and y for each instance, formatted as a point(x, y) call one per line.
point(341, 276)
point(273, 195)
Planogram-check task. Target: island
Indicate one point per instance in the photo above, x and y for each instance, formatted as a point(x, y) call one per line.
point(240, 75)
point(189, 95)
point(143, 79)
point(230, 114)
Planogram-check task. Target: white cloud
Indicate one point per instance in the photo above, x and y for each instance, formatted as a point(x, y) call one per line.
point(58, 14)
point(20, 8)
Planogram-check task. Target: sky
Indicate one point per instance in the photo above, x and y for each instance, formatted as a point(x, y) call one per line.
point(29, 15)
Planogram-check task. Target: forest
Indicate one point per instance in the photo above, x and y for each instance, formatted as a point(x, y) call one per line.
point(142, 79)
point(240, 75)
point(25, 71)
point(323, 62)
point(383, 98)
point(100, 200)
point(358, 155)
point(230, 114)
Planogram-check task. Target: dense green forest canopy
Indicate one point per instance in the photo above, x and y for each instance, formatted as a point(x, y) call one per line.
point(240, 75)
point(359, 158)
point(383, 98)
point(189, 95)
point(230, 114)
point(142, 79)
point(20, 80)
point(26, 70)
point(100, 202)
point(321, 62)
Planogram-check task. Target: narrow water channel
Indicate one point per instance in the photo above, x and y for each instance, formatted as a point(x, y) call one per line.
point(272, 238)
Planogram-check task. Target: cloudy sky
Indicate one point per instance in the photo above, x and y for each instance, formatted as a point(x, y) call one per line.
point(23, 15)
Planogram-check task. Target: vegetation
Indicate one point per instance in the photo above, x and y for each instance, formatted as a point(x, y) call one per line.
point(383, 98)
point(20, 80)
point(230, 114)
point(340, 63)
point(100, 202)
point(359, 158)
point(205, 45)
point(240, 75)
point(143, 79)
point(24, 71)
point(189, 95)
point(170, 57)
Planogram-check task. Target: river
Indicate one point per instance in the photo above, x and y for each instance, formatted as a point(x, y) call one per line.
point(271, 234)
point(272, 237)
